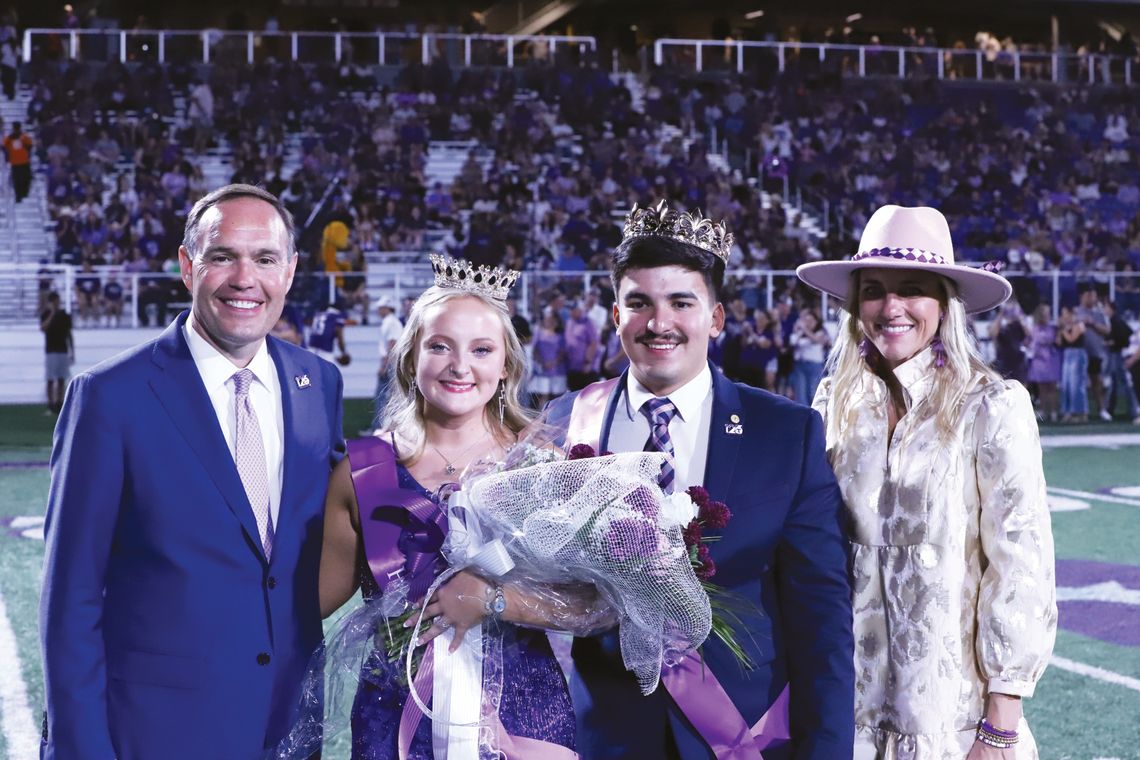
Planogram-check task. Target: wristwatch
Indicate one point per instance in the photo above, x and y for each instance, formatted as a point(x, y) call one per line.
point(497, 604)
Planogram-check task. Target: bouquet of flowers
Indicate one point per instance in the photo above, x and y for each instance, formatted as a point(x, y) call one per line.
point(601, 520)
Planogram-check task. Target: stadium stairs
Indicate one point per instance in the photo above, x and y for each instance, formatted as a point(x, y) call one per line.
point(24, 237)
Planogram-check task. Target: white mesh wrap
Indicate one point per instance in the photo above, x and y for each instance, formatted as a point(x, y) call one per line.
point(606, 521)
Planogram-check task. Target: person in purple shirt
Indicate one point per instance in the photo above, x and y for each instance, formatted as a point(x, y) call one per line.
point(548, 366)
point(326, 335)
point(581, 348)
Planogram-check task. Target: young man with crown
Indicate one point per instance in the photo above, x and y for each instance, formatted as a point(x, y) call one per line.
point(783, 554)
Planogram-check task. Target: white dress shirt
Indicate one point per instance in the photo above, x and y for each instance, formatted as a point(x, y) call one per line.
point(689, 429)
point(264, 393)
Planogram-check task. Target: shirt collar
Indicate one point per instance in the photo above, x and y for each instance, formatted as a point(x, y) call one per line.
point(916, 375)
point(215, 368)
point(688, 398)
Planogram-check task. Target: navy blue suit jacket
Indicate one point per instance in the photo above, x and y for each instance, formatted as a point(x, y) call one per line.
point(165, 632)
point(784, 551)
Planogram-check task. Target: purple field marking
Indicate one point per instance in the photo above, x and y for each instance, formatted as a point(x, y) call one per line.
point(1111, 622)
point(1078, 572)
point(22, 465)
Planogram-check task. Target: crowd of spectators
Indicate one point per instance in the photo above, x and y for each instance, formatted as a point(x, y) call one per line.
point(1042, 179)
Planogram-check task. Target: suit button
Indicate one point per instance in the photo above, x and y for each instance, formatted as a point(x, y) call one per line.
point(263, 659)
point(272, 583)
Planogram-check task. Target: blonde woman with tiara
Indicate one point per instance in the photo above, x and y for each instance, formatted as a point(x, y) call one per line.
point(939, 462)
point(453, 399)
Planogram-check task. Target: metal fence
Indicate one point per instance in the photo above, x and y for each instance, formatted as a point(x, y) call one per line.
point(899, 62)
point(760, 288)
point(364, 48)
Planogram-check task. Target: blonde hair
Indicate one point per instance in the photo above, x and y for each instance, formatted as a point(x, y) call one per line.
point(847, 367)
point(403, 414)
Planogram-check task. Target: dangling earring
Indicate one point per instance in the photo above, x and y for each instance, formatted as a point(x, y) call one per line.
point(939, 352)
point(502, 401)
point(936, 346)
point(869, 353)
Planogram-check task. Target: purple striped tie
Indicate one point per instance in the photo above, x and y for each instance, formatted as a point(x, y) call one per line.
point(660, 412)
point(249, 455)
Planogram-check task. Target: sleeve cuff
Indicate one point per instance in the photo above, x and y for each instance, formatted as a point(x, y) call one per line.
point(1013, 688)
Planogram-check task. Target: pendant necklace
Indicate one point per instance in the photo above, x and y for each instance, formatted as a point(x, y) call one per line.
point(449, 468)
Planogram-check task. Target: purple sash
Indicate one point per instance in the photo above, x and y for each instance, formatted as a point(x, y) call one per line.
point(692, 686)
point(402, 530)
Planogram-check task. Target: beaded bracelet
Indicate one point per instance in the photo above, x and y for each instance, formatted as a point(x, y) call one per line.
point(995, 737)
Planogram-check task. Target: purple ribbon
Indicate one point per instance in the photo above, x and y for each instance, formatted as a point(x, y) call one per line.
point(403, 530)
point(708, 707)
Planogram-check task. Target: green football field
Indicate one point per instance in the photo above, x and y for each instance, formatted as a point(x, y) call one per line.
point(1087, 706)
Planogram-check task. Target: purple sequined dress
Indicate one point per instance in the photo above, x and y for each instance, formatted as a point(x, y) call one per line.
point(535, 701)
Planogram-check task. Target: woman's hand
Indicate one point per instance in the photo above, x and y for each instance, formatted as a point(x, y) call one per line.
point(1004, 712)
point(982, 751)
point(461, 604)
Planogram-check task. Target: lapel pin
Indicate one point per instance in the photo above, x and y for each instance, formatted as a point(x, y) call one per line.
point(734, 418)
point(302, 381)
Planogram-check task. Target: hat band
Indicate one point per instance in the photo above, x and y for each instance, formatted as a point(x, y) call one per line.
point(906, 254)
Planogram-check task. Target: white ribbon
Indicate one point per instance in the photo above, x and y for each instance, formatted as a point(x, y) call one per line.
point(457, 695)
point(457, 677)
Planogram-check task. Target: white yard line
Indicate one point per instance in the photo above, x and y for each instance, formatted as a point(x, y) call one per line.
point(16, 721)
point(1092, 671)
point(1096, 441)
point(1090, 496)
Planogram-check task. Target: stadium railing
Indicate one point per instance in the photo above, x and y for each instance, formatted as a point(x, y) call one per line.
point(381, 48)
point(760, 287)
point(899, 62)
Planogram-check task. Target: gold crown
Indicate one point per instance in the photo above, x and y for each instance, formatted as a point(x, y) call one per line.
point(463, 275)
point(693, 229)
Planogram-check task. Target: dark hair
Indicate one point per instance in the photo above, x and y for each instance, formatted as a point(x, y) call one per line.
point(192, 236)
point(652, 251)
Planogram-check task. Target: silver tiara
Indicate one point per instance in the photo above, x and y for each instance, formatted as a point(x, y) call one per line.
point(693, 229)
point(459, 274)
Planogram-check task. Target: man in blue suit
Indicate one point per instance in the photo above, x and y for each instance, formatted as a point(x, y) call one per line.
point(782, 551)
point(188, 475)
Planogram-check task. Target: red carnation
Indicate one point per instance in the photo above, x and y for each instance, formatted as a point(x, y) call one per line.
point(699, 495)
point(581, 451)
point(706, 568)
point(692, 534)
point(715, 514)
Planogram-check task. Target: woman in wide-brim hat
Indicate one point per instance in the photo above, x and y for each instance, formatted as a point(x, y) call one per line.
point(939, 461)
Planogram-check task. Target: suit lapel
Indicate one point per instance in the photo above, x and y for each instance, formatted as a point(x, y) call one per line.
point(724, 442)
point(297, 391)
point(611, 409)
point(180, 391)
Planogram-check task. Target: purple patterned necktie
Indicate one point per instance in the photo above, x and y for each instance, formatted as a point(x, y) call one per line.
point(660, 412)
point(249, 455)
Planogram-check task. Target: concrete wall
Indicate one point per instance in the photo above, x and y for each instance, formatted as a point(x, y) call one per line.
point(22, 358)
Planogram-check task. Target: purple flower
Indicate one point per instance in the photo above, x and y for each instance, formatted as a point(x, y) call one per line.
point(642, 500)
point(715, 514)
point(631, 538)
point(581, 451)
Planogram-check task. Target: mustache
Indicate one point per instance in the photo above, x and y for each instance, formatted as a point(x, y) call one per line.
point(670, 337)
